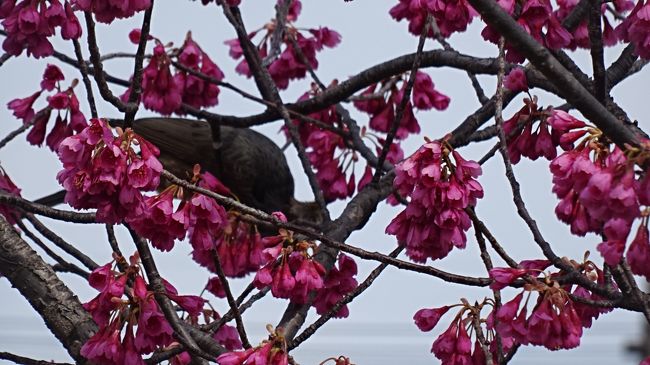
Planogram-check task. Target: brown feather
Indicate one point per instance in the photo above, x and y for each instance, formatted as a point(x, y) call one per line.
point(249, 163)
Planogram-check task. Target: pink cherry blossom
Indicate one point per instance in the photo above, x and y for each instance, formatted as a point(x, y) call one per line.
point(426, 319)
point(106, 11)
point(160, 91)
point(516, 80)
point(29, 25)
point(23, 108)
point(638, 254)
point(103, 180)
point(434, 221)
point(288, 65)
point(338, 282)
point(502, 277)
point(51, 77)
point(451, 16)
point(636, 29)
point(195, 91)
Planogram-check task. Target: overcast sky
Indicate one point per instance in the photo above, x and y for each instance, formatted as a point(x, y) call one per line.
point(370, 36)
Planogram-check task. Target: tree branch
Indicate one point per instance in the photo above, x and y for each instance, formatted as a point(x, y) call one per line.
point(47, 294)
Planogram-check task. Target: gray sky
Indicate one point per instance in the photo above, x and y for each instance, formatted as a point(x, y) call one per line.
point(370, 36)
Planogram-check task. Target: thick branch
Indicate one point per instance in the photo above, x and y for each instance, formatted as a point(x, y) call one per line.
point(47, 294)
point(569, 87)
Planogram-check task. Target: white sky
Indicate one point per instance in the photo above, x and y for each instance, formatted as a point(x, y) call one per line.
point(370, 36)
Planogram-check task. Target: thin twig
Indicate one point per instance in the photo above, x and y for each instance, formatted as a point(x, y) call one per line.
point(18, 131)
point(406, 97)
point(136, 84)
point(231, 301)
point(597, 54)
point(481, 227)
point(98, 69)
point(230, 315)
point(281, 12)
point(83, 68)
point(61, 243)
point(4, 58)
point(62, 215)
point(157, 286)
point(480, 337)
point(480, 94)
point(115, 247)
point(70, 267)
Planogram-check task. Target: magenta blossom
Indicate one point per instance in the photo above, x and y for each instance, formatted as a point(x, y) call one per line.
point(451, 16)
point(426, 319)
point(106, 11)
point(434, 221)
point(104, 172)
point(29, 25)
point(289, 65)
point(130, 321)
point(516, 80)
point(338, 282)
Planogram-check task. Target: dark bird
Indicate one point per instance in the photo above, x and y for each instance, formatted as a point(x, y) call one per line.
point(250, 164)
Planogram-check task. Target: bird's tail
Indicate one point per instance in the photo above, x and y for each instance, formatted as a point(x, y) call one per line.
point(52, 199)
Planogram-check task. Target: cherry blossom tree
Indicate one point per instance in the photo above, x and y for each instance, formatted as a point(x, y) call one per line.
point(124, 174)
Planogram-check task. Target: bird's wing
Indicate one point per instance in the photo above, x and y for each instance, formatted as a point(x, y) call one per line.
point(183, 139)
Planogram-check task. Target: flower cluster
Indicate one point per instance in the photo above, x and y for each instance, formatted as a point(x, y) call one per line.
point(270, 352)
point(334, 161)
point(636, 28)
point(72, 121)
point(165, 92)
point(538, 18)
point(555, 321)
point(516, 80)
point(454, 345)
point(535, 133)
point(108, 10)
point(382, 103)
point(29, 24)
point(600, 192)
point(289, 268)
point(197, 92)
point(292, 273)
point(8, 186)
point(239, 247)
point(580, 36)
point(339, 282)
point(211, 230)
point(130, 321)
point(289, 64)
point(451, 16)
point(327, 151)
point(441, 184)
point(104, 171)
